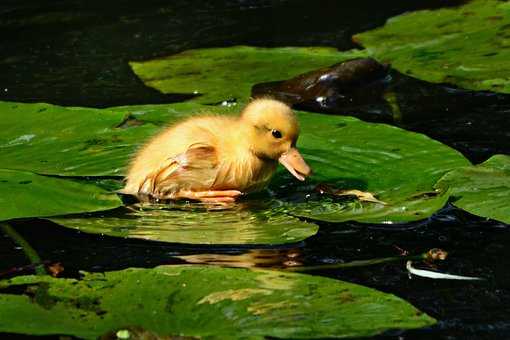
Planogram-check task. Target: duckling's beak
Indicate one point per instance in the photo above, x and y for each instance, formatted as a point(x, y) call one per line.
point(294, 162)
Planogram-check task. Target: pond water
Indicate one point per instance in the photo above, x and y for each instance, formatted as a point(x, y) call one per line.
point(76, 53)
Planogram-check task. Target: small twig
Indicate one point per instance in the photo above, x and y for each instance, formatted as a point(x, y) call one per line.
point(360, 263)
point(432, 255)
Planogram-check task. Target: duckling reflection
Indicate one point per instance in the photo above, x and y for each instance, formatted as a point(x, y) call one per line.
point(262, 258)
point(214, 158)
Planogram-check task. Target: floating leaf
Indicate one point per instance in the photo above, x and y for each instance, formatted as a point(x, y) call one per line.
point(55, 140)
point(468, 46)
point(25, 194)
point(195, 223)
point(399, 167)
point(220, 74)
point(483, 190)
point(69, 141)
point(202, 301)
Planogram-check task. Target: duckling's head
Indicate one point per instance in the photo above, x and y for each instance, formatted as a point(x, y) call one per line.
point(272, 131)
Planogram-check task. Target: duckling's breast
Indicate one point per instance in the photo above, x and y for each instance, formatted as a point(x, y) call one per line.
point(248, 174)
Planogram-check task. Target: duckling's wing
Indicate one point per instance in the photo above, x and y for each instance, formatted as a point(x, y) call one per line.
point(194, 169)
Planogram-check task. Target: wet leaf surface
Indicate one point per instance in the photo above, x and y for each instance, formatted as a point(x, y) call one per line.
point(399, 167)
point(219, 74)
point(66, 141)
point(25, 194)
point(69, 141)
point(467, 46)
point(196, 223)
point(202, 301)
point(482, 190)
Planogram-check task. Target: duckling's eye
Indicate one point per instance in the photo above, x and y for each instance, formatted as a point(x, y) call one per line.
point(276, 134)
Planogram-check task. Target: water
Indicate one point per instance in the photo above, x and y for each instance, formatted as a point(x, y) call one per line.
point(76, 53)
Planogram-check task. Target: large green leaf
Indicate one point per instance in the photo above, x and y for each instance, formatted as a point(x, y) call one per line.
point(202, 301)
point(398, 166)
point(50, 139)
point(196, 224)
point(483, 190)
point(219, 74)
point(69, 141)
point(468, 46)
point(24, 194)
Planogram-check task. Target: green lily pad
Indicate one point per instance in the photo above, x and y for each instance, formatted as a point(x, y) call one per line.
point(399, 167)
point(468, 46)
point(219, 74)
point(66, 141)
point(25, 194)
point(69, 141)
point(482, 190)
point(202, 301)
point(195, 223)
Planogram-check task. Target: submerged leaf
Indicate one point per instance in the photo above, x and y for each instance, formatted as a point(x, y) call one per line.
point(25, 194)
point(194, 223)
point(202, 301)
point(482, 190)
point(219, 74)
point(468, 46)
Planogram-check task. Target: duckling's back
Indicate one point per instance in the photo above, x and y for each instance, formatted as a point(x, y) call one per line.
point(173, 141)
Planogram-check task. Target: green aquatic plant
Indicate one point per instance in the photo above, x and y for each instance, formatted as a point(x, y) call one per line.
point(483, 190)
point(467, 46)
point(203, 301)
point(219, 74)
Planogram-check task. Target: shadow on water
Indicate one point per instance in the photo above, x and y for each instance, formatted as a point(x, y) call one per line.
point(76, 53)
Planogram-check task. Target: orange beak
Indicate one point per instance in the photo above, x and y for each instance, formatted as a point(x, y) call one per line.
point(294, 162)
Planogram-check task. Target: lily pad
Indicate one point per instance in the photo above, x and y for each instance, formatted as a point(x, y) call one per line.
point(219, 74)
point(202, 301)
point(67, 141)
point(482, 190)
point(70, 141)
point(468, 46)
point(195, 223)
point(399, 167)
point(25, 194)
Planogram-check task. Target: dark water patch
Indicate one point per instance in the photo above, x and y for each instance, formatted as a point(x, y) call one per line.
point(72, 53)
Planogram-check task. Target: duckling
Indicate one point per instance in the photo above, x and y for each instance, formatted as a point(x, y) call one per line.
point(214, 158)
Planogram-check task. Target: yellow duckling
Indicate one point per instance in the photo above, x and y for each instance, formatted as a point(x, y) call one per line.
point(217, 158)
